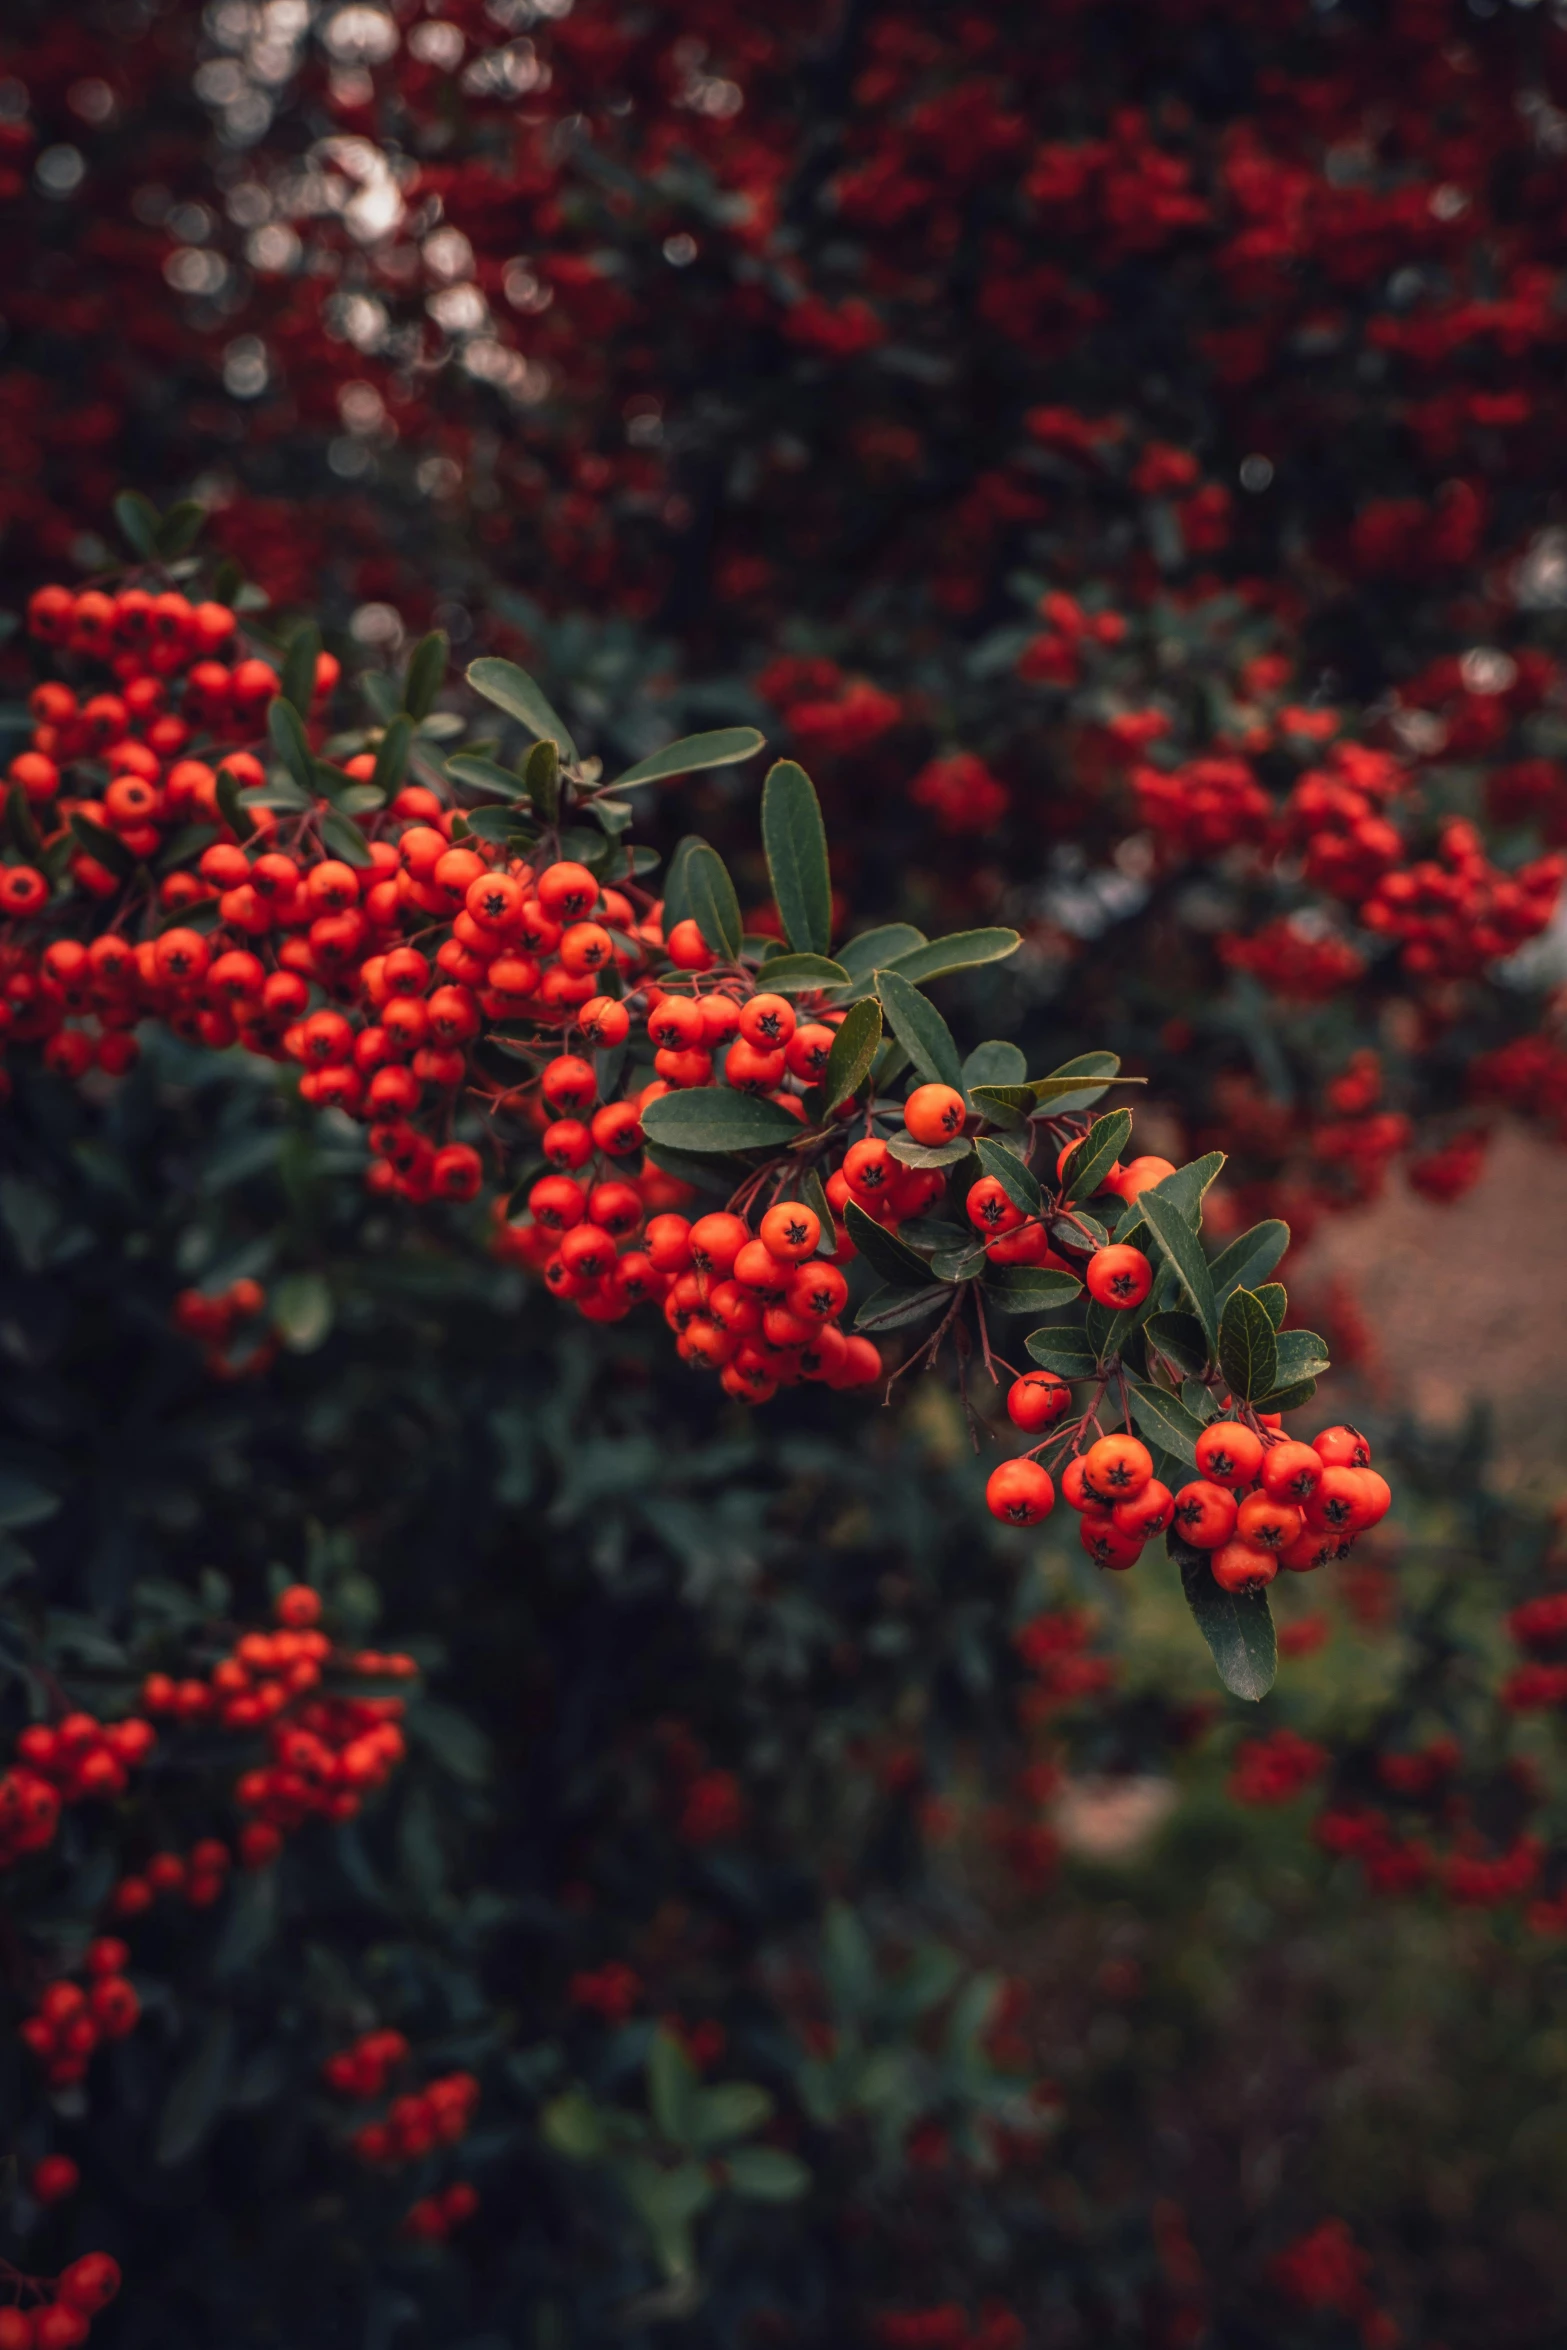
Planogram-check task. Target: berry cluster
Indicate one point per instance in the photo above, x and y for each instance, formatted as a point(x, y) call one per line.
point(71, 2020)
point(71, 1761)
point(362, 2071)
point(216, 1321)
point(1261, 1500)
point(415, 2124)
point(62, 2309)
point(444, 950)
point(197, 1878)
point(433, 2218)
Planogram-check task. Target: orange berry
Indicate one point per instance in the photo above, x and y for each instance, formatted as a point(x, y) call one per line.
point(934, 1114)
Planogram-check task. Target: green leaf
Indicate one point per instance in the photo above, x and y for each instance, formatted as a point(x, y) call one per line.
point(541, 778)
point(920, 1029)
point(197, 2094)
point(287, 731)
point(361, 799)
point(342, 836)
point(1248, 1350)
point(795, 974)
point(874, 950)
point(719, 749)
point(23, 825)
point(853, 1050)
point(426, 674)
point(511, 689)
point(1180, 1338)
point(1030, 1289)
point(848, 1962)
point(298, 673)
point(571, 2123)
point(1015, 1179)
point(766, 2174)
point(965, 950)
point(138, 519)
point(1184, 1252)
point(301, 1307)
point(234, 811)
point(1288, 1399)
point(892, 1258)
point(1187, 1188)
point(1274, 1300)
point(672, 2089)
point(180, 529)
point(1065, 1095)
point(106, 846)
point(716, 1118)
point(891, 1307)
point(1090, 1161)
point(995, 1063)
point(1237, 1625)
point(735, 2109)
point(1164, 1420)
point(714, 905)
point(795, 840)
point(963, 1263)
point(486, 775)
point(391, 758)
point(1250, 1259)
point(910, 1153)
point(1301, 1355)
point(500, 825)
point(666, 2202)
point(1066, 1351)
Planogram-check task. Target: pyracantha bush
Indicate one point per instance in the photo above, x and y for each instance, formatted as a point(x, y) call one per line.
point(447, 946)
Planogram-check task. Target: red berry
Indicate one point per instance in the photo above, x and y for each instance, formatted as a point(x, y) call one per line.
point(1037, 1401)
point(1119, 1276)
point(1020, 1493)
point(934, 1114)
point(1229, 1453)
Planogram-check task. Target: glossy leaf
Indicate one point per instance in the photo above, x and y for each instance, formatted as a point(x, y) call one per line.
point(1274, 1300)
point(996, 1063)
point(889, 1308)
point(298, 674)
point(1237, 1625)
point(1249, 1259)
point(672, 2089)
point(1030, 1289)
point(391, 758)
point(1179, 1337)
point(1066, 1351)
point(721, 748)
point(920, 1029)
point(715, 909)
point(853, 1051)
point(104, 845)
point(892, 1258)
point(716, 1118)
point(1016, 1180)
point(1184, 1251)
point(511, 689)
point(874, 950)
point(910, 1153)
point(426, 673)
point(965, 950)
point(795, 840)
point(180, 528)
point(343, 838)
point(286, 730)
point(1187, 1188)
point(1090, 1161)
point(1164, 1420)
point(797, 974)
point(1248, 1350)
point(1301, 1355)
point(138, 520)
